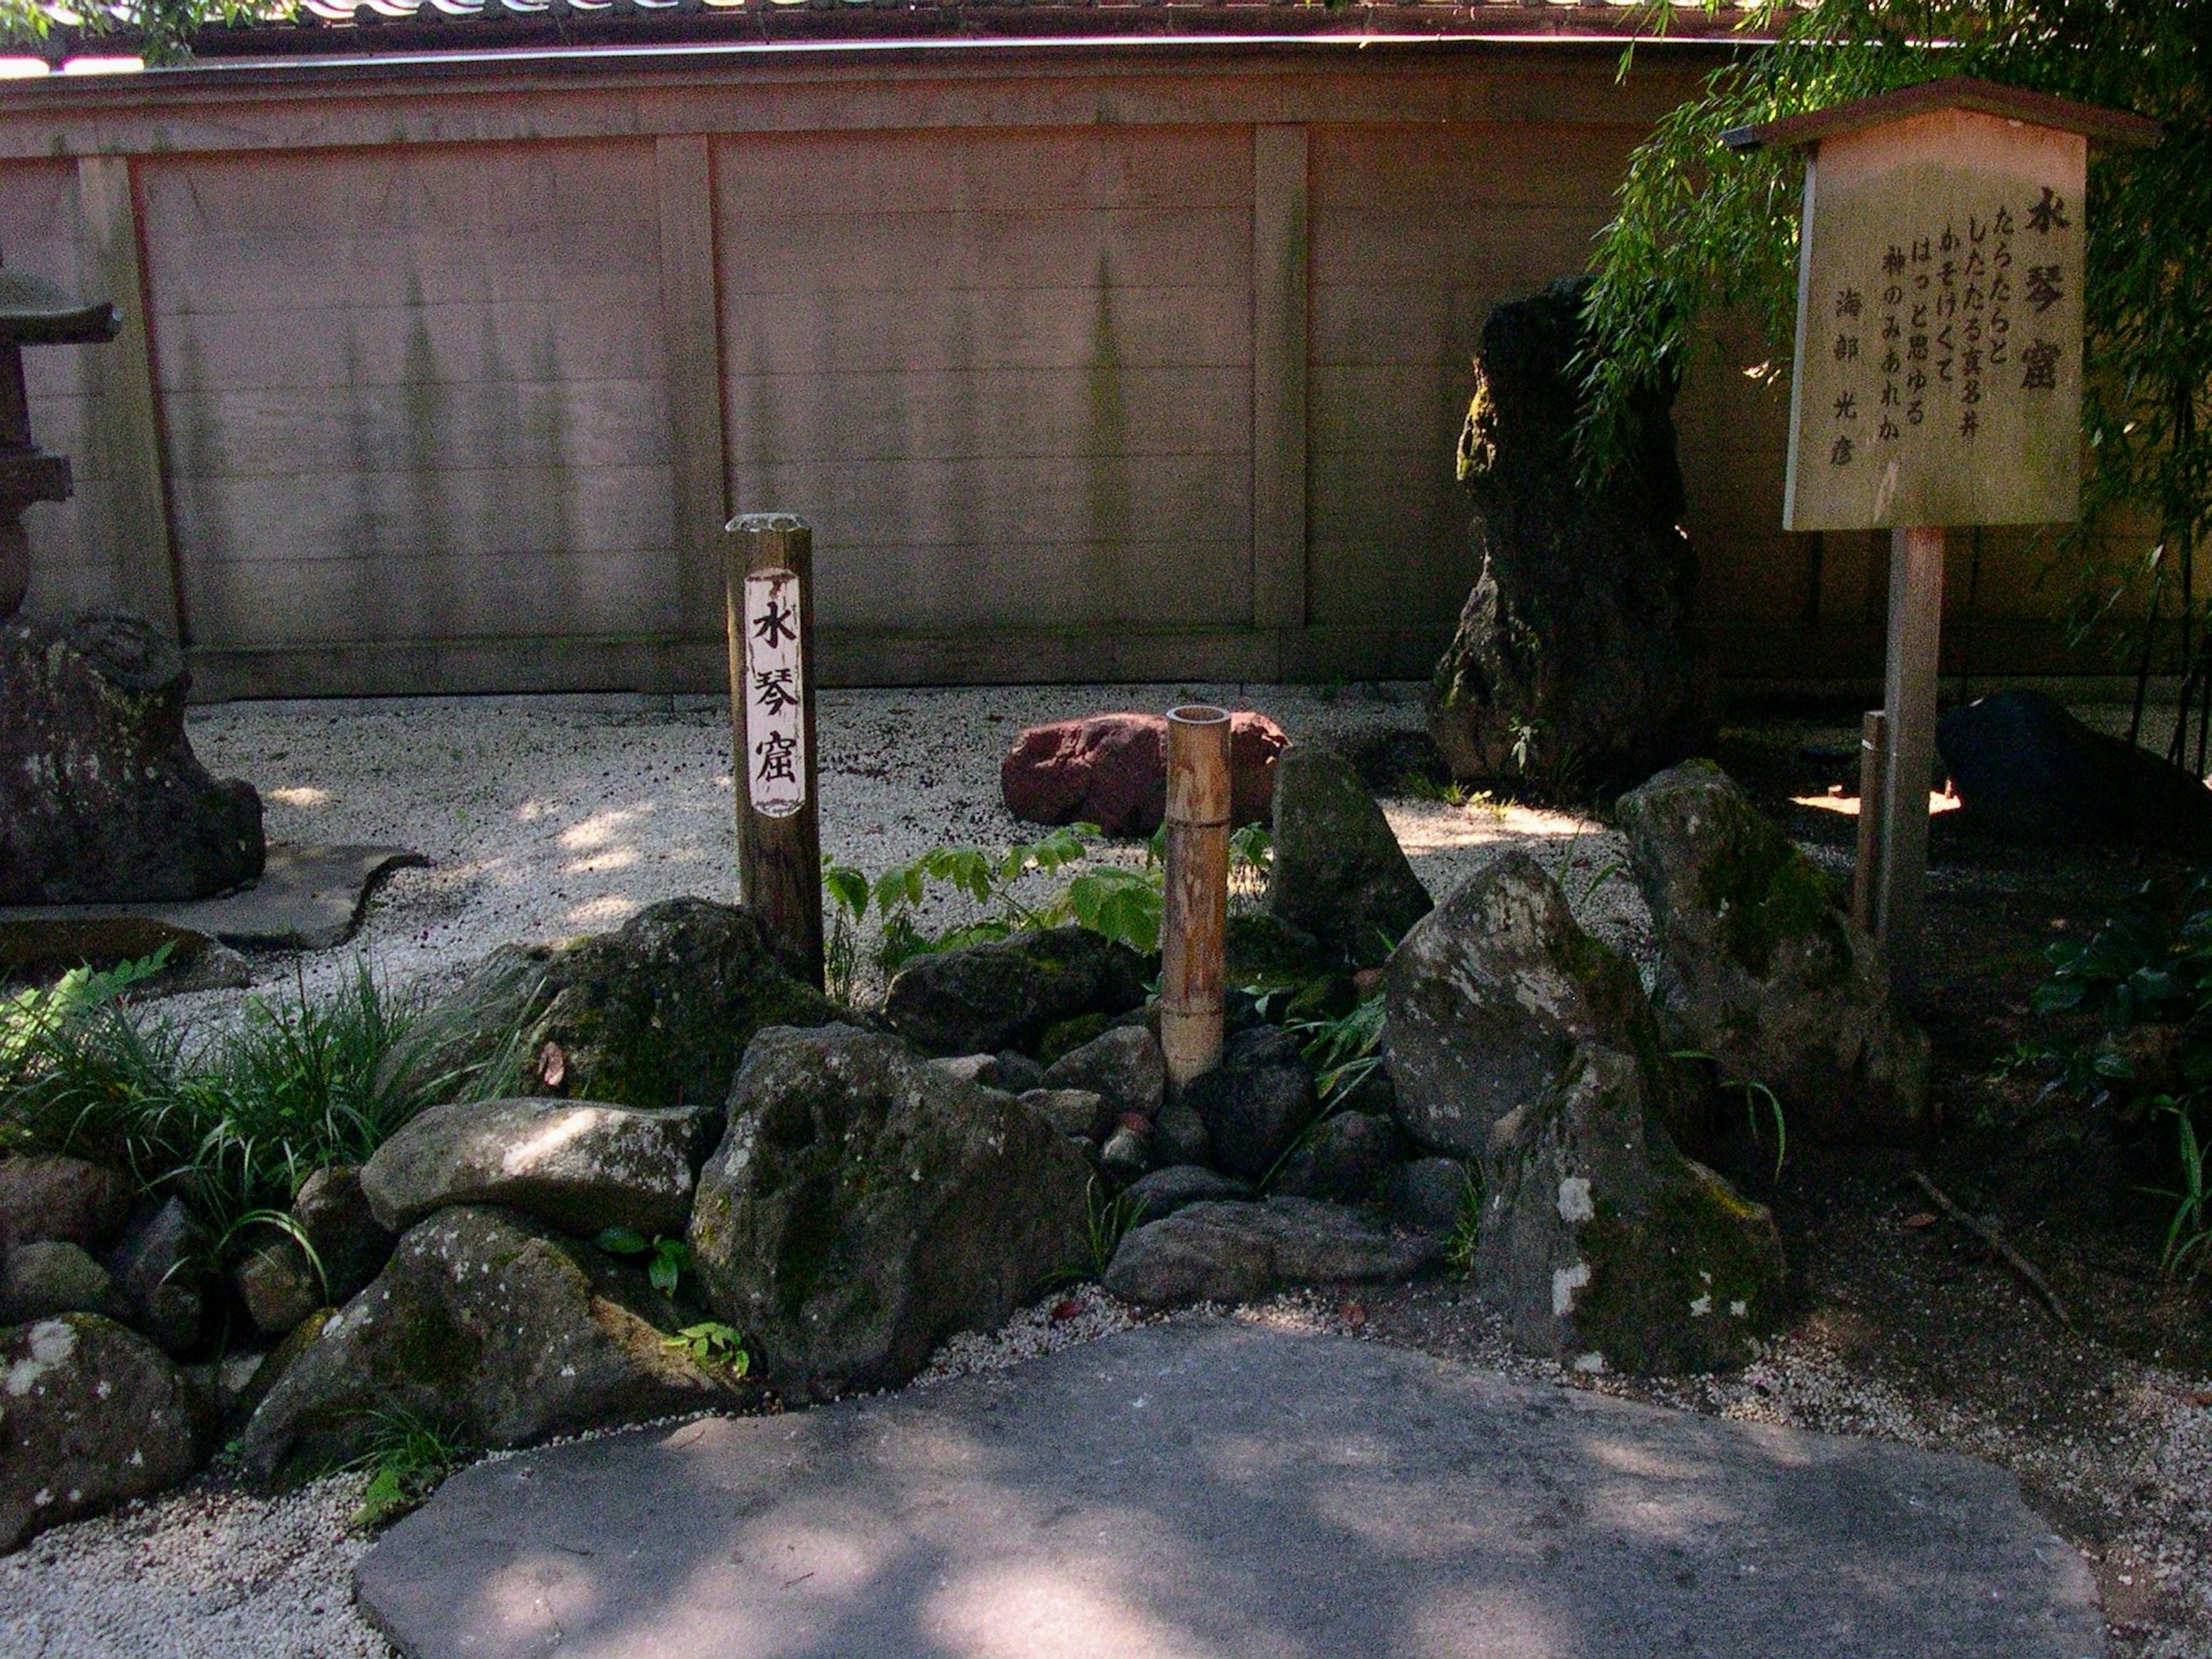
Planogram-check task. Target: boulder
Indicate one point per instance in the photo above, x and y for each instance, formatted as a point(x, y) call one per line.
point(1606, 1248)
point(1575, 662)
point(1339, 873)
point(1074, 1112)
point(277, 1284)
point(1127, 1154)
point(499, 1329)
point(1125, 1065)
point(575, 1164)
point(1432, 1193)
point(1263, 952)
point(92, 1415)
point(1112, 770)
point(1256, 1102)
point(1178, 1186)
point(1234, 1252)
point(1346, 1158)
point(101, 799)
point(1008, 994)
point(862, 1207)
point(333, 1212)
point(2026, 770)
point(1488, 999)
point(52, 1277)
point(656, 1013)
point(1009, 1072)
point(1180, 1135)
point(1760, 967)
point(43, 1196)
point(158, 1264)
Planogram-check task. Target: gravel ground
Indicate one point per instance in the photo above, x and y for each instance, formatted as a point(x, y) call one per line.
point(549, 816)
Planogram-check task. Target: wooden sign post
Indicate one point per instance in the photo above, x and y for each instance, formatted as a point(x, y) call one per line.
point(1937, 380)
point(768, 569)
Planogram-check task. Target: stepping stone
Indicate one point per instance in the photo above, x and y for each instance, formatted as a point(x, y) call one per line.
point(1204, 1488)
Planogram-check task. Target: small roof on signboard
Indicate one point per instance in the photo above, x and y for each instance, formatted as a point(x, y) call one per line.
point(1966, 92)
point(33, 312)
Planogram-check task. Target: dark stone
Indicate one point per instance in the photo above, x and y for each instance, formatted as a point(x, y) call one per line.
point(158, 1263)
point(95, 1416)
point(1255, 1103)
point(1178, 1186)
point(1079, 1114)
point(1265, 951)
point(1605, 1248)
point(52, 1277)
point(1125, 1065)
point(334, 1212)
point(1235, 1252)
point(1241, 1492)
point(1180, 1135)
point(1008, 994)
point(1760, 967)
point(863, 1207)
point(43, 1196)
point(490, 1325)
point(1489, 998)
point(656, 1013)
point(1016, 1072)
point(1126, 1155)
point(1575, 662)
point(1432, 1193)
point(1111, 771)
point(101, 799)
point(277, 1284)
point(1346, 1159)
point(580, 1165)
point(2026, 770)
point(1339, 873)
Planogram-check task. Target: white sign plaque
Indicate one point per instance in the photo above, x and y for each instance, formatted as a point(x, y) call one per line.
point(1938, 374)
point(776, 683)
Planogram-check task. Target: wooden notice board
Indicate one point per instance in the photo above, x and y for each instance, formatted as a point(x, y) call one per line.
point(1938, 374)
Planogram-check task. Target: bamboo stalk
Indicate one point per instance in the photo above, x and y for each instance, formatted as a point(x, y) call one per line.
point(1195, 922)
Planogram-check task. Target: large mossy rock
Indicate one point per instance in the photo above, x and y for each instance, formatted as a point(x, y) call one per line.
point(1490, 996)
point(865, 1204)
point(1339, 874)
point(1761, 968)
point(101, 799)
point(91, 1415)
point(582, 1166)
point(493, 1327)
point(1605, 1248)
point(656, 1013)
point(2026, 770)
point(1574, 664)
point(983, 998)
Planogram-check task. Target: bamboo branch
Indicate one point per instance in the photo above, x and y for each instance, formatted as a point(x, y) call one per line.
point(1987, 1232)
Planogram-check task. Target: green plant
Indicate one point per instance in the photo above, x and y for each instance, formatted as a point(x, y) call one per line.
point(1345, 1051)
point(407, 1457)
point(846, 889)
point(1109, 1220)
point(1461, 1243)
point(671, 1257)
point(1760, 1105)
point(712, 1346)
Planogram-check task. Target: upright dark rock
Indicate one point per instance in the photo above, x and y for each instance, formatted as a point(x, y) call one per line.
point(1339, 873)
point(1574, 664)
point(2026, 770)
point(101, 799)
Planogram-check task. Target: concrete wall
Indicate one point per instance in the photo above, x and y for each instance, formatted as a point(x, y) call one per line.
point(1084, 361)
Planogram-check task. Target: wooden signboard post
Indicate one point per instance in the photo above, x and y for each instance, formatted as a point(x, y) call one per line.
point(1937, 380)
point(768, 578)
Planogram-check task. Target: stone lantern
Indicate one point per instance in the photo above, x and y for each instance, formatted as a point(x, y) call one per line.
point(32, 313)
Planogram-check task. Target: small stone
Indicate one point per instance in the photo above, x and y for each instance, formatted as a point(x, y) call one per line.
point(158, 1264)
point(43, 1196)
point(54, 1277)
point(1125, 1065)
point(334, 1212)
point(1161, 1194)
point(1255, 1103)
point(1346, 1159)
point(1126, 1154)
point(1433, 1192)
point(277, 1284)
point(1180, 1135)
point(1017, 1073)
point(1230, 1252)
point(1074, 1112)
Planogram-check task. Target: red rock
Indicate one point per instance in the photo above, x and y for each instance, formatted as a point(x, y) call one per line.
point(1111, 771)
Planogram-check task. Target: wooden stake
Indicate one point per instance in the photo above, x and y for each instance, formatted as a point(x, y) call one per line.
point(1195, 925)
point(768, 573)
point(1915, 625)
point(1866, 869)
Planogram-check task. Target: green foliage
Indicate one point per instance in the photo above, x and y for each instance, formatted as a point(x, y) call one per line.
point(1459, 1245)
point(1110, 1220)
point(407, 1457)
point(671, 1257)
point(234, 1127)
point(160, 31)
point(714, 1345)
point(1700, 230)
point(1761, 1106)
point(1344, 1052)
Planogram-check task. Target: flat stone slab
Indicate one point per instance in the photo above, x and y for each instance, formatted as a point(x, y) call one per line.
point(308, 898)
point(1212, 1490)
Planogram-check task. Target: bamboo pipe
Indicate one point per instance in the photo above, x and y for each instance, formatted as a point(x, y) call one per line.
point(1866, 868)
point(1195, 922)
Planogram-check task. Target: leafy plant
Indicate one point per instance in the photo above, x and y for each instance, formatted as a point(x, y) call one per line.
point(408, 1458)
point(846, 889)
point(1460, 1244)
point(671, 1257)
point(1760, 1105)
point(712, 1346)
point(1110, 1220)
point(1344, 1052)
